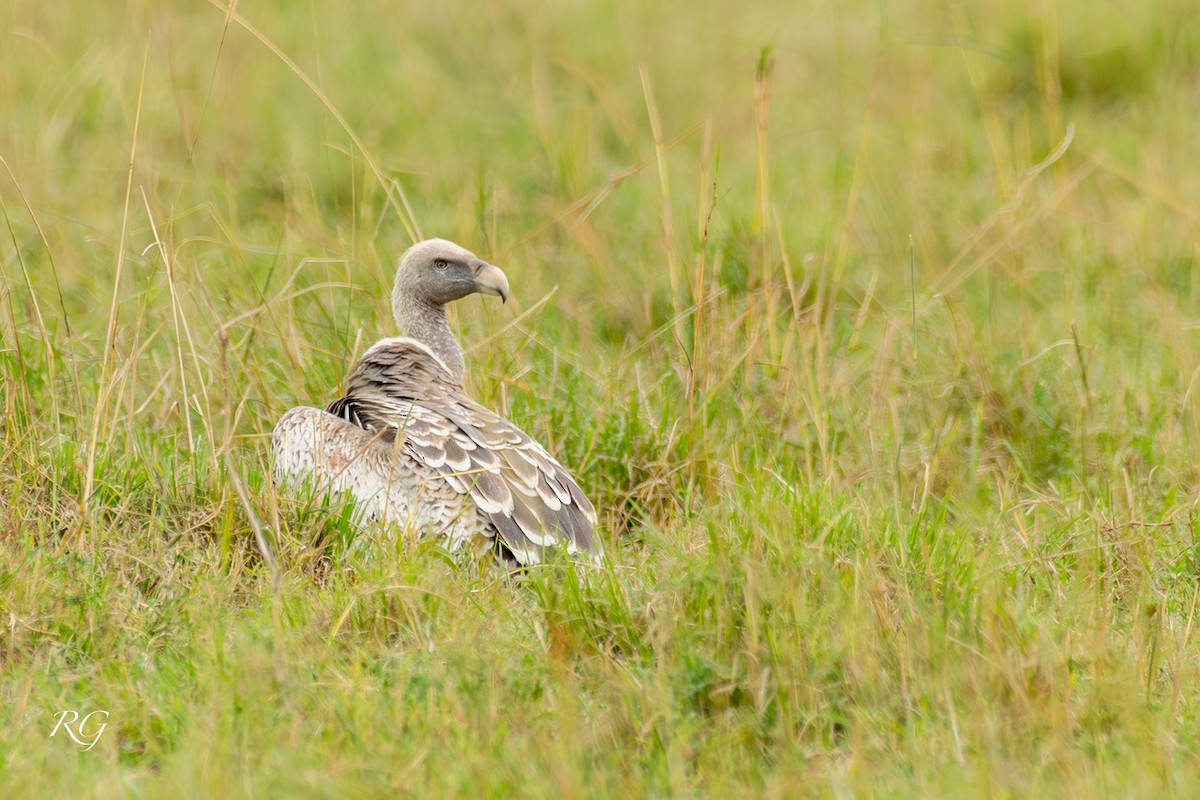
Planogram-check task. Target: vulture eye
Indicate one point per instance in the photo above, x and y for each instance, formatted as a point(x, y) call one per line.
point(440, 263)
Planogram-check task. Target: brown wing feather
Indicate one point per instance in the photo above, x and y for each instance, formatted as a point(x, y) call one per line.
point(529, 497)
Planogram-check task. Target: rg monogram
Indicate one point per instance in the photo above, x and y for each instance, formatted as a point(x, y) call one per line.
point(79, 734)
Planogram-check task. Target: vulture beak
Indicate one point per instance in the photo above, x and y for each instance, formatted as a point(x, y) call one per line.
point(490, 279)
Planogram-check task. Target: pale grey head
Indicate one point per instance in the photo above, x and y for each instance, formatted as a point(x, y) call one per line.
point(437, 271)
point(431, 274)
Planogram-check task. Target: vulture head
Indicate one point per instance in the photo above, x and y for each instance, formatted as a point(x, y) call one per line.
point(435, 272)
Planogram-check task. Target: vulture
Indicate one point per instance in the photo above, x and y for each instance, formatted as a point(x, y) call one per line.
point(412, 448)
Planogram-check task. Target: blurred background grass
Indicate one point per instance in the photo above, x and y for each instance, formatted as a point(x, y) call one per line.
point(871, 329)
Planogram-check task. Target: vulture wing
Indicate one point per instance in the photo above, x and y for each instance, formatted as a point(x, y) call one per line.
point(400, 392)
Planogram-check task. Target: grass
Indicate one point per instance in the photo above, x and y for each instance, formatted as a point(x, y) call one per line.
point(871, 329)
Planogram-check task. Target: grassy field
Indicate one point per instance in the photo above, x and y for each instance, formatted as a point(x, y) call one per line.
point(872, 329)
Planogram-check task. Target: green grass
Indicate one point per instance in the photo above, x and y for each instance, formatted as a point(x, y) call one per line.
point(872, 329)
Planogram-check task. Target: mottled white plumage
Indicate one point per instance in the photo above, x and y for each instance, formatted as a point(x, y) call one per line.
point(412, 448)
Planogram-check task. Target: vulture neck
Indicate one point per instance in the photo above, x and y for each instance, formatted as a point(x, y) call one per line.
point(426, 322)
